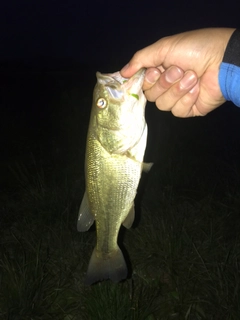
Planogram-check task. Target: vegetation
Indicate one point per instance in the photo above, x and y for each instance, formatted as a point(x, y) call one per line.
point(184, 249)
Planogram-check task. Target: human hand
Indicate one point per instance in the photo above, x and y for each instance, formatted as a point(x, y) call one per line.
point(182, 71)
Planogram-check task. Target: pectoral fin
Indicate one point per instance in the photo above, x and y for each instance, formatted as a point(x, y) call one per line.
point(85, 218)
point(147, 166)
point(127, 223)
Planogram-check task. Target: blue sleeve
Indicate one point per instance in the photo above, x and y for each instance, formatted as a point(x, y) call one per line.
point(229, 80)
point(229, 73)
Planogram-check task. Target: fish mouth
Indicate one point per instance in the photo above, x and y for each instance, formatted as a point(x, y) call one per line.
point(117, 85)
point(136, 77)
point(134, 84)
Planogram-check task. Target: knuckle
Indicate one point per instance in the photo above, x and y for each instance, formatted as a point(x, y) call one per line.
point(136, 55)
point(161, 105)
point(188, 100)
point(150, 97)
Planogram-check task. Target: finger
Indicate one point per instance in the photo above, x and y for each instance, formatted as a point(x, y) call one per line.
point(165, 81)
point(177, 91)
point(186, 106)
point(151, 77)
point(151, 56)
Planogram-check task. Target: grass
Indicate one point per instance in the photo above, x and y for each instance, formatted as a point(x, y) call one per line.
point(183, 251)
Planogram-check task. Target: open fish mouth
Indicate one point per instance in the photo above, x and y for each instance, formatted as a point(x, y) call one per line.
point(117, 85)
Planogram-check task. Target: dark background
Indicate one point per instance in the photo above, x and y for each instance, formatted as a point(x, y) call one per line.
point(49, 53)
point(185, 249)
point(101, 31)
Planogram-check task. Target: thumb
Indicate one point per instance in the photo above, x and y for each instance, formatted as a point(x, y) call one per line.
point(151, 56)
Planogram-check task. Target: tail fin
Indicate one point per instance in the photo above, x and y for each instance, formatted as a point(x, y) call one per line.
point(113, 267)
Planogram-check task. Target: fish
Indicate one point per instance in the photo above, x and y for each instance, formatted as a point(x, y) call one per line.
point(116, 142)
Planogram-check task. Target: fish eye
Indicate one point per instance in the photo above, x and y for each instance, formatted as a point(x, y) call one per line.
point(101, 103)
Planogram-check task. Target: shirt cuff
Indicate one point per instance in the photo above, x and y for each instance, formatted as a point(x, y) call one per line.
point(229, 81)
point(229, 73)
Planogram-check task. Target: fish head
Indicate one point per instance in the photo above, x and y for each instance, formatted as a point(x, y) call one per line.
point(118, 110)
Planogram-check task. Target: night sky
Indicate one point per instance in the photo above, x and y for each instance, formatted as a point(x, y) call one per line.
point(101, 31)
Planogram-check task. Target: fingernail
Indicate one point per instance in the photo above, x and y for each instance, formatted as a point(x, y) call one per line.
point(152, 76)
point(188, 80)
point(194, 89)
point(125, 67)
point(173, 74)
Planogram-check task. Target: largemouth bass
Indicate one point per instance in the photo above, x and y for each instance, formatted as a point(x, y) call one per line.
point(116, 144)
